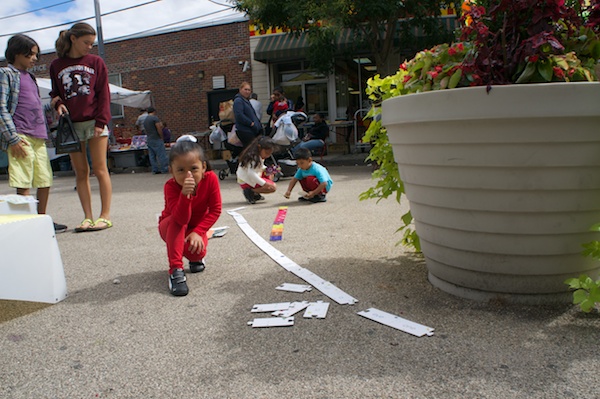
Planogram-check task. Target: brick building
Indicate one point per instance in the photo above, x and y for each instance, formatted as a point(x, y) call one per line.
point(189, 71)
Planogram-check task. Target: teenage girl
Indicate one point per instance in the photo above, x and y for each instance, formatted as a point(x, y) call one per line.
point(80, 88)
point(251, 169)
point(192, 206)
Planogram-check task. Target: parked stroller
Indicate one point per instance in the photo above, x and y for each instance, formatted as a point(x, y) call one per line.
point(229, 152)
point(286, 137)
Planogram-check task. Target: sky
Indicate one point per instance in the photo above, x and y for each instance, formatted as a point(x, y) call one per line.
point(149, 14)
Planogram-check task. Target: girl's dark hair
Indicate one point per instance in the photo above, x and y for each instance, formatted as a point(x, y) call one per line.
point(19, 45)
point(63, 43)
point(183, 147)
point(251, 155)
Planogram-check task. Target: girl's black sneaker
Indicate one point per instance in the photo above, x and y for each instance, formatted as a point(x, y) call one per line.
point(249, 194)
point(197, 267)
point(177, 284)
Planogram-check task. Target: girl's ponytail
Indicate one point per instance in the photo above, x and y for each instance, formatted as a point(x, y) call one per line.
point(63, 43)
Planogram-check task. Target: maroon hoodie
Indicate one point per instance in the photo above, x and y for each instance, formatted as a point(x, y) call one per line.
point(82, 84)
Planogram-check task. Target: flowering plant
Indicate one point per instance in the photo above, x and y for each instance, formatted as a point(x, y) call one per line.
point(499, 42)
point(510, 41)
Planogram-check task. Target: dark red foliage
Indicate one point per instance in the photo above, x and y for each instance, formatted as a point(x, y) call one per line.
point(507, 32)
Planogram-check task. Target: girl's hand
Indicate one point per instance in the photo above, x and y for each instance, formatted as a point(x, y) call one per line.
point(195, 241)
point(98, 131)
point(189, 185)
point(287, 194)
point(62, 109)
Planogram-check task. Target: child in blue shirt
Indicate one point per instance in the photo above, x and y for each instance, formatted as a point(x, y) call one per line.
point(313, 178)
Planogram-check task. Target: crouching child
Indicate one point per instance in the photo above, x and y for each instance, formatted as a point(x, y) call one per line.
point(313, 178)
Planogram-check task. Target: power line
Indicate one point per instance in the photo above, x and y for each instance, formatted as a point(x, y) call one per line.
point(166, 25)
point(37, 9)
point(221, 4)
point(79, 20)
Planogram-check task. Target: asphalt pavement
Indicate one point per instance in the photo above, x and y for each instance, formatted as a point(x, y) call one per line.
point(120, 334)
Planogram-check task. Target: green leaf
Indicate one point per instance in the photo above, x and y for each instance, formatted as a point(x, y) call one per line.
point(587, 305)
point(579, 296)
point(573, 283)
point(595, 227)
point(455, 78)
point(545, 69)
point(407, 218)
point(527, 73)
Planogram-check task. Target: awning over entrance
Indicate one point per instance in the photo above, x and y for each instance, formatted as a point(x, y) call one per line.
point(280, 47)
point(286, 46)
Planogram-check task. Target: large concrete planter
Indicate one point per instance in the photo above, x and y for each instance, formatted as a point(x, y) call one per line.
point(503, 186)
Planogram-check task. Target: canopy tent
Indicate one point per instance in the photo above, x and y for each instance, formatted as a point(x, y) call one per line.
point(118, 95)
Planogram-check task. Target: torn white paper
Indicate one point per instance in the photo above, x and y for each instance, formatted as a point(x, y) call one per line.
point(293, 287)
point(397, 322)
point(18, 199)
point(316, 310)
point(220, 231)
point(317, 282)
point(270, 307)
point(294, 308)
point(272, 322)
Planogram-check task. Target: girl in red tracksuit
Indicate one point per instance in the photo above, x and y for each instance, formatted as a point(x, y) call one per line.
point(192, 206)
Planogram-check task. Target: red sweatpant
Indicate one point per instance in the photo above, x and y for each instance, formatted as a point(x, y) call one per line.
point(174, 236)
point(310, 183)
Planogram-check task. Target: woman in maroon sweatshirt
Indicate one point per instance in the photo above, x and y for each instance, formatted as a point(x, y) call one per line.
point(80, 87)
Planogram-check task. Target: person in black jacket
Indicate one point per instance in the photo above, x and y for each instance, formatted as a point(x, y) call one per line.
point(314, 140)
point(247, 124)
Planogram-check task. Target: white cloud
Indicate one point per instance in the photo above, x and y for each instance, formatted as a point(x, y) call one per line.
point(115, 25)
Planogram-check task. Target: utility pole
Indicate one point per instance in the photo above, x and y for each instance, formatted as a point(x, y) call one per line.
point(111, 136)
point(99, 30)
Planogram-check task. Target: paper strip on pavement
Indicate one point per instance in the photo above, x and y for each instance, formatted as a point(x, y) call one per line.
point(272, 322)
point(316, 310)
point(293, 287)
point(397, 322)
point(317, 282)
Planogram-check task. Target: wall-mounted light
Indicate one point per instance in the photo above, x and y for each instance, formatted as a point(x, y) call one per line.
point(201, 74)
point(245, 65)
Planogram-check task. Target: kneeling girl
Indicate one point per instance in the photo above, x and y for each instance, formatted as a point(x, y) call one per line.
point(192, 206)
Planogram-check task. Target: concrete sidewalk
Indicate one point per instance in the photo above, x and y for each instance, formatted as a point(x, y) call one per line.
point(120, 334)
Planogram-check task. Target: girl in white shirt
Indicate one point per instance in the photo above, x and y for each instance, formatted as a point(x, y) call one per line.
point(251, 169)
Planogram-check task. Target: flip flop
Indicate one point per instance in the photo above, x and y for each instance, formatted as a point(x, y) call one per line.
point(81, 228)
point(107, 224)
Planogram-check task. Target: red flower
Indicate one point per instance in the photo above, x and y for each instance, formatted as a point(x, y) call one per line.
point(406, 78)
point(558, 72)
point(451, 51)
point(533, 58)
point(433, 74)
point(460, 47)
point(403, 66)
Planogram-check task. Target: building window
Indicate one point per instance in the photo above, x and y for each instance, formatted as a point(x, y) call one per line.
point(299, 81)
point(116, 110)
